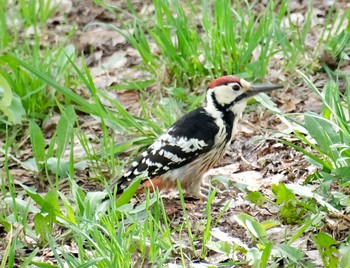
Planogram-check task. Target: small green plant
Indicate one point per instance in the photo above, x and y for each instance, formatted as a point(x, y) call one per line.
point(326, 246)
point(291, 211)
point(326, 137)
point(113, 232)
point(225, 46)
point(10, 104)
point(337, 42)
point(52, 159)
point(292, 35)
point(330, 132)
point(22, 95)
point(35, 95)
point(33, 12)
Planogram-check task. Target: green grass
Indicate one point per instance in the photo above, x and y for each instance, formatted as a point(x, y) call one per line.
point(338, 38)
point(30, 95)
point(195, 42)
point(222, 43)
point(328, 133)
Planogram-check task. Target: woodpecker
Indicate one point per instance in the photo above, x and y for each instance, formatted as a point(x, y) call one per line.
point(196, 142)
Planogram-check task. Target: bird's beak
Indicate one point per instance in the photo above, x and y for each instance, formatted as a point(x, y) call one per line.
point(252, 90)
point(256, 89)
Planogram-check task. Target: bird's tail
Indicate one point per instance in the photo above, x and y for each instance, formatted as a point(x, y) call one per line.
point(121, 183)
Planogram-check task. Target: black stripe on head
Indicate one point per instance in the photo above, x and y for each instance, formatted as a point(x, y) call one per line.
point(239, 98)
point(226, 107)
point(217, 104)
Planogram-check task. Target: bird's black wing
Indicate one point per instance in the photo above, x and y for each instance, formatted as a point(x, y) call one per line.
point(189, 137)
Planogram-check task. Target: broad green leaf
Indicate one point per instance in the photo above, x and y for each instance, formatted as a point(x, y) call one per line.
point(10, 104)
point(43, 226)
point(254, 257)
point(268, 224)
point(341, 198)
point(33, 195)
point(79, 195)
point(128, 193)
point(69, 209)
point(325, 241)
point(21, 205)
point(291, 253)
point(44, 265)
point(223, 236)
point(51, 204)
point(342, 173)
point(40, 224)
point(59, 166)
point(5, 93)
point(64, 130)
point(282, 192)
point(15, 111)
point(345, 255)
point(30, 164)
point(254, 227)
point(306, 191)
point(94, 199)
point(256, 198)
point(62, 61)
point(220, 247)
point(266, 254)
point(144, 205)
point(322, 131)
point(38, 144)
point(126, 208)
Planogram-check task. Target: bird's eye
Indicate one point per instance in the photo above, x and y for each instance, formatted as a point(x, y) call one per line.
point(236, 87)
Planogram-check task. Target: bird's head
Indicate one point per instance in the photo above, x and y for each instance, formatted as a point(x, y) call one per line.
point(230, 93)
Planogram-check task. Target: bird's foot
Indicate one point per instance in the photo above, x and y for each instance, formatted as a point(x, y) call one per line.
point(207, 188)
point(196, 196)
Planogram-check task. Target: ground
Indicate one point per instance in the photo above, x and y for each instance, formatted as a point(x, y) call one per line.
point(256, 157)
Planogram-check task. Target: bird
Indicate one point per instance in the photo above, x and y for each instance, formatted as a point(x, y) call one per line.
point(196, 142)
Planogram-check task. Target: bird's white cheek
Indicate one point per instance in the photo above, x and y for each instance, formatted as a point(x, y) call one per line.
point(225, 95)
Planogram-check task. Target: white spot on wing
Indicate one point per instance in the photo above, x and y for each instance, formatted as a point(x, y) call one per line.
point(173, 157)
point(186, 145)
point(135, 164)
point(190, 145)
point(150, 163)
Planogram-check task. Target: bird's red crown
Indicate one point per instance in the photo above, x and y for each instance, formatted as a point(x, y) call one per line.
point(224, 80)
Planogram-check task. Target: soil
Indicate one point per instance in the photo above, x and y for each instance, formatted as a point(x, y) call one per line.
point(256, 158)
